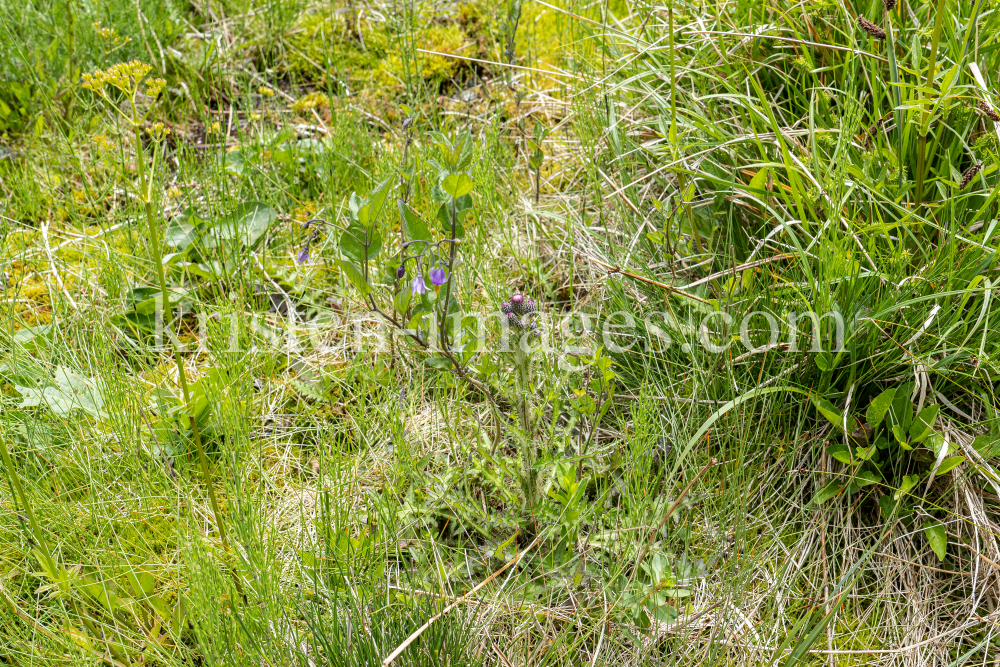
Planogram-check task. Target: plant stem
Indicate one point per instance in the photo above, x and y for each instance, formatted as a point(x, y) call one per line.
point(146, 185)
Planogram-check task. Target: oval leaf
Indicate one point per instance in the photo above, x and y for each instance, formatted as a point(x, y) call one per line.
point(457, 185)
point(938, 538)
point(879, 406)
point(829, 491)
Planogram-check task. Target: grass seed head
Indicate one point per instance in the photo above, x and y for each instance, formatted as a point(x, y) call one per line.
point(969, 174)
point(989, 111)
point(889, 5)
point(871, 28)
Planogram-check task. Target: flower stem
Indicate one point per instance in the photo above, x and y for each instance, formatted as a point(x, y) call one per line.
point(153, 230)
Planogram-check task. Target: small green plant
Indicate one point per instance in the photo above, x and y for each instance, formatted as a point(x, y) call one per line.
point(895, 447)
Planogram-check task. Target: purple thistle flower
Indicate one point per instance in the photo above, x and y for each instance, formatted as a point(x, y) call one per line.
point(520, 313)
point(439, 276)
point(419, 287)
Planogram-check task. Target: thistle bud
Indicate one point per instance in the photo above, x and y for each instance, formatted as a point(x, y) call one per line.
point(871, 28)
point(519, 313)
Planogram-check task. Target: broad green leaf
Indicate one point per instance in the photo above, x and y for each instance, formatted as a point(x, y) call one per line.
point(246, 223)
point(841, 452)
point(867, 478)
point(440, 363)
point(759, 181)
point(414, 228)
point(908, 483)
point(824, 361)
point(355, 238)
point(988, 446)
point(457, 185)
point(401, 300)
point(879, 406)
point(949, 463)
point(367, 215)
point(923, 425)
point(444, 215)
point(900, 436)
point(935, 443)
point(937, 537)
point(355, 203)
point(828, 491)
point(355, 276)
point(833, 414)
point(865, 453)
point(180, 234)
point(901, 410)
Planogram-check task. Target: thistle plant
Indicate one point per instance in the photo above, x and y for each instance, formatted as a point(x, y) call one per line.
point(131, 94)
point(519, 316)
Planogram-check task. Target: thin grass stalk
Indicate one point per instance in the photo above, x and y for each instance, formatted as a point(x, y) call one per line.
point(22, 499)
point(681, 180)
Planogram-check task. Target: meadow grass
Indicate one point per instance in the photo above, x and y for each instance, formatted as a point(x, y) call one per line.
point(279, 483)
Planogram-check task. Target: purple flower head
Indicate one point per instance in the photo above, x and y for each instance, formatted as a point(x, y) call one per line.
point(439, 276)
point(419, 287)
point(303, 256)
point(401, 272)
point(521, 305)
point(519, 313)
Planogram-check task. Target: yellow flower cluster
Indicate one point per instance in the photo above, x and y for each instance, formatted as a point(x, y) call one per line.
point(103, 142)
point(126, 77)
point(158, 132)
point(110, 36)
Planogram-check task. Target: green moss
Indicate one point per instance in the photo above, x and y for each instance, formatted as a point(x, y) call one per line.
point(326, 42)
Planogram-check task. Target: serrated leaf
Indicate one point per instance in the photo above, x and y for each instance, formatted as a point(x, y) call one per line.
point(828, 491)
point(937, 537)
point(879, 406)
